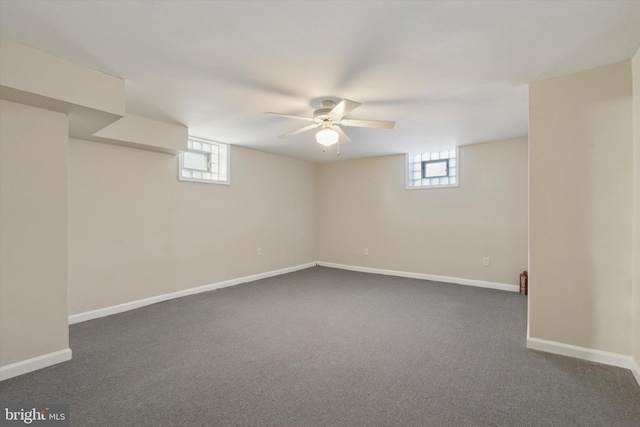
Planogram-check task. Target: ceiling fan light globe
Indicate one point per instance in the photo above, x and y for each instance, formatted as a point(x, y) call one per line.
point(327, 137)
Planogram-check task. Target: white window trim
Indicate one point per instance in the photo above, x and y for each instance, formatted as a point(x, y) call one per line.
point(431, 187)
point(205, 181)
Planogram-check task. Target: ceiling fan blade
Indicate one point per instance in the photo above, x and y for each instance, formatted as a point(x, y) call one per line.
point(309, 119)
point(343, 108)
point(342, 137)
point(379, 124)
point(296, 132)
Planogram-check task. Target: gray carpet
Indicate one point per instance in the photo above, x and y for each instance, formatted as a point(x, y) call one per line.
point(325, 347)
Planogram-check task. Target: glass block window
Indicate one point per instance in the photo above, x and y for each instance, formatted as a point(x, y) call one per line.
point(206, 161)
point(429, 170)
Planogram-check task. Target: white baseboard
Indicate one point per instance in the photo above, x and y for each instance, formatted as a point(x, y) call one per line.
point(35, 363)
point(107, 311)
point(120, 308)
point(635, 369)
point(459, 281)
point(599, 356)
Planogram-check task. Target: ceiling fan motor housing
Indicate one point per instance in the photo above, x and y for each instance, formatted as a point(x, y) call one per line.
point(322, 113)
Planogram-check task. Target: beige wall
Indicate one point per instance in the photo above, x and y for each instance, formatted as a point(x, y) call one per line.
point(136, 231)
point(33, 232)
point(439, 231)
point(636, 210)
point(580, 137)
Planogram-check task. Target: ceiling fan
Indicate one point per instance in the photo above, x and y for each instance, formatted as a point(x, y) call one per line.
point(329, 117)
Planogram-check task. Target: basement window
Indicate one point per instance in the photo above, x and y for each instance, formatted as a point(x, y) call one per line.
point(430, 170)
point(205, 161)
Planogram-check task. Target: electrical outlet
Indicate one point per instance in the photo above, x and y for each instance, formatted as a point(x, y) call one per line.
point(485, 261)
point(259, 251)
point(366, 251)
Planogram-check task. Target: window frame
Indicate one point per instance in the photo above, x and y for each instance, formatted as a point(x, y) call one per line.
point(407, 173)
point(210, 164)
point(427, 162)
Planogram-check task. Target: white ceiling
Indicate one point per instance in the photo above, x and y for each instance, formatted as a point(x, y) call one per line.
point(449, 73)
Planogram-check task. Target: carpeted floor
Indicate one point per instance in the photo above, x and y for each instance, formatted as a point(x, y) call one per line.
point(325, 347)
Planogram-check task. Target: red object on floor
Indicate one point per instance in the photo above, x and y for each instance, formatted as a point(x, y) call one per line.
point(524, 283)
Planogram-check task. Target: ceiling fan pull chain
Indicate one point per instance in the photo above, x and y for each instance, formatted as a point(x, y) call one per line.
point(338, 144)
